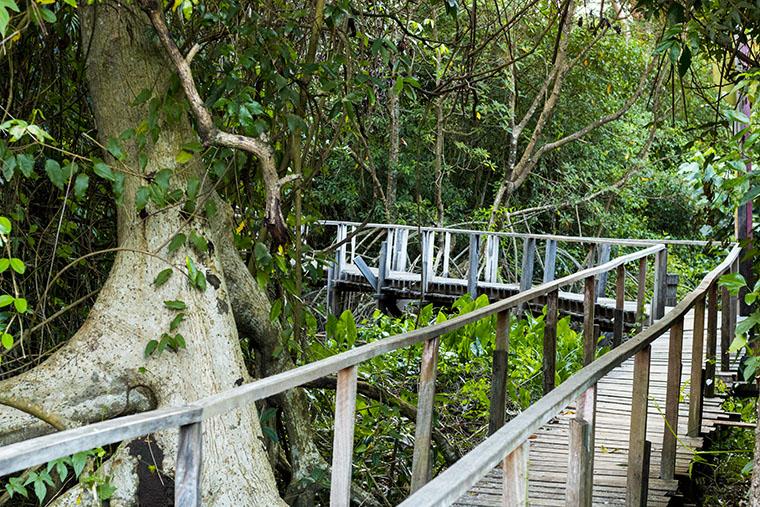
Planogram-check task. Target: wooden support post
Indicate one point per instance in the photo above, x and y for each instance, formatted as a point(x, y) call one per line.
point(711, 342)
point(619, 306)
point(500, 373)
point(515, 480)
point(472, 282)
point(343, 438)
point(427, 260)
point(696, 383)
point(660, 285)
point(589, 340)
point(725, 330)
point(401, 253)
point(636, 483)
point(421, 462)
point(187, 477)
point(381, 273)
point(641, 294)
point(550, 340)
point(672, 395)
point(389, 250)
point(605, 250)
point(580, 471)
point(528, 261)
point(550, 260)
point(340, 255)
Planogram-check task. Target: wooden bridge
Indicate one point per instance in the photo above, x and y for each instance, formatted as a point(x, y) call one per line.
point(603, 436)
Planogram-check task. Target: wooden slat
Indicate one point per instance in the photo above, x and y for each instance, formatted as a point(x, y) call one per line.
point(725, 329)
point(550, 260)
point(343, 438)
point(636, 483)
point(619, 306)
point(472, 276)
point(187, 477)
point(696, 381)
point(711, 340)
point(580, 465)
point(528, 262)
point(669, 439)
point(550, 341)
point(500, 373)
point(515, 482)
point(421, 462)
point(641, 293)
point(604, 251)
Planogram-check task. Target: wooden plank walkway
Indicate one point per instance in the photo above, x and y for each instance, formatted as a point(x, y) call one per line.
point(549, 446)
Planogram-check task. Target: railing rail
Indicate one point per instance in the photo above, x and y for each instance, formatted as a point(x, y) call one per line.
point(39, 450)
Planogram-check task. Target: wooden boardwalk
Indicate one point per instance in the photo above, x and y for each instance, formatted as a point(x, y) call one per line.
point(549, 446)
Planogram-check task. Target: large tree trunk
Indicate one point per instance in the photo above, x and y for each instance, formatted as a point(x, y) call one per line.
point(102, 371)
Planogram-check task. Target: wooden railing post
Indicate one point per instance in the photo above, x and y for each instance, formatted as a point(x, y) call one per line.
point(641, 293)
point(528, 262)
point(636, 484)
point(604, 250)
point(500, 373)
point(446, 254)
point(660, 284)
point(550, 260)
point(187, 475)
point(619, 306)
point(382, 266)
point(672, 396)
point(550, 340)
point(421, 462)
point(515, 481)
point(343, 437)
point(589, 340)
point(472, 282)
point(401, 253)
point(695, 384)
point(725, 329)
point(711, 340)
point(492, 259)
point(580, 472)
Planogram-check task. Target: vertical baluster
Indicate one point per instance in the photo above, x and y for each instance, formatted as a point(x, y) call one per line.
point(660, 285)
point(187, 477)
point(381, 273)
point(446, 254)
point(515, 481)
point(341, 254)
point(619, 306)
point(580, 474)
point(389, 250)
point(343, 438)
point(725, 329)
point(421, 462)
point(550, 262)
point(472, 283)
point(500, 373)
point(669, 439)
point(605, 250)
point(695, 384)
point(353, 244)
point(526, 274)
point(636, 482)
point(550, 340)
point(589, 340)
point(426, 262)
point(641, 294)
point(711, 340)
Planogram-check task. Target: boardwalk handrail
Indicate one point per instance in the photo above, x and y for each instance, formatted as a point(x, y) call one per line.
point(522, 235)
point(21, 455)
point(457, 479)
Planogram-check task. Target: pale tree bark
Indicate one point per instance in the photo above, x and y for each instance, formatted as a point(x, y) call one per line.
point(99, 373)
point(394, 140)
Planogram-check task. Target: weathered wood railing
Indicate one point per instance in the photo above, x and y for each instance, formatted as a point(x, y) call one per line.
point(507, 444)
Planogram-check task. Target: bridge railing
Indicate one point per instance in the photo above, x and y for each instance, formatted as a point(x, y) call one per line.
point(190, 418)
point(472, 258)
point(509, 445)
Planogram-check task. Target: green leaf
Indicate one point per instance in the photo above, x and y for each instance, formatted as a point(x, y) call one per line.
point(4, 265)
point(103, 170)
point(48, 15)
point(55, 173)
point(684, 62)
point(5, 226)
point(176, 321)
point(176, 242)
point(276, 310)
point(81, 184)
point(18, 266)
point(162, 277)
point(183, 157)
point(25, 163)
point(20, 304)
point(115, 149)
point(199, 242)
point(175, 305)
point(200, 281)
point(733, 283)
point(142, 97)
point(78, 461)
point(150, 348)
point(7, 341)
point(179, 341)
point(739, 343)
point(5, 300)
